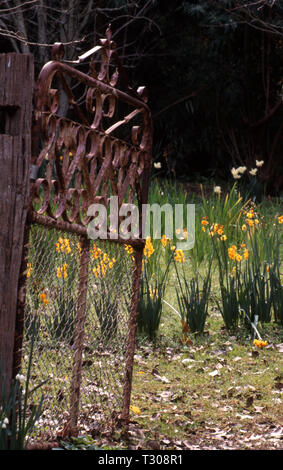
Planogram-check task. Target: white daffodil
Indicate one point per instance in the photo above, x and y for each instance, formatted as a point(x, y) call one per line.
point(217, 189)
point(235, 174)
point(20, 378)
point(253, 172)
point(5, 422)
point(259, 163)
point(157, 165)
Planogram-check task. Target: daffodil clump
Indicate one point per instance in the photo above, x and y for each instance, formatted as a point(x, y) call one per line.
point(105, 262)
point(62, 271)
point(251, 219)
point(63, 246)
point(213, 230)
point(238, 254)
point(179, 256)
point(237, 173)
point(157, 257)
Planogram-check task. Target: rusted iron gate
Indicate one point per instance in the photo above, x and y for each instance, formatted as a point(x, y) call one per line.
point(101, 149)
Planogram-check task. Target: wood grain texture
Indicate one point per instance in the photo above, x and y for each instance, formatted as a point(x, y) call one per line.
point(16, 88)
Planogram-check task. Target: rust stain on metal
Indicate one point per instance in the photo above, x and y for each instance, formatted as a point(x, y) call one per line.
point(107, 144)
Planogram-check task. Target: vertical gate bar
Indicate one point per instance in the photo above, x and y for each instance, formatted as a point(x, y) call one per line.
point(21, 299)
point(132, 329)
point(71, 427)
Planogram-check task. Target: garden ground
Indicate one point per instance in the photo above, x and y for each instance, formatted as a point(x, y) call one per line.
point(217, 392)
point(213, 390)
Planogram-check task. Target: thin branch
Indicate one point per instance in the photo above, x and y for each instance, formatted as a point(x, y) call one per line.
point(247, 5)
point(9, 10)
point(19, 37)
point(267, 116)
point(181, 100)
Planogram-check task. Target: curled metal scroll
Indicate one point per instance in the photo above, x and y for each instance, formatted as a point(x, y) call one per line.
point(106, 145)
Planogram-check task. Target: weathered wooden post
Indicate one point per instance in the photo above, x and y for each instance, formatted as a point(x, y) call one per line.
point(16, 88)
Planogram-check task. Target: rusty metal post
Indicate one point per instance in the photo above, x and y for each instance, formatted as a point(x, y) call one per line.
point(72, 424)
point(132, 329)
point(16, 88)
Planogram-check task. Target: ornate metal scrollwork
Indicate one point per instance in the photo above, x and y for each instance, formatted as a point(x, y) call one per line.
point(99, 146)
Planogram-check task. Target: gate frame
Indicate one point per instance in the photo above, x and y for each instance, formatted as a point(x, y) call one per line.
point(41, 105)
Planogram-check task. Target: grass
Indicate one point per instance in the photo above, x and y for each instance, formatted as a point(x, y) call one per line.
point(214, 390)
point(219, 392)
point(217, 382)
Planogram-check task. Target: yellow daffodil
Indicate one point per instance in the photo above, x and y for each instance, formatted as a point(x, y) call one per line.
point(259, 343)
point(246, 254)
point(164, 240)
point(204, 222)
point(129, 249)
point(63, 245)
point(232, 253)
point(148, 248)
point(43, 298)
point(135, 409)
point(29, 271)
point(250, 222)
point(111, 263)
point(153, 293)
point(62, 271)
point(96, 252)
point(106, 258)
point(179, 256)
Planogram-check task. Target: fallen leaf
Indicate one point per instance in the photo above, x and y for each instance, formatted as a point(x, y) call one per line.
point(244, 416)
point(184, 361)
point(162, 379)
point(219, 352)
point(213, 373)
point(237, 358)
point(258, 409)
point(279, 347)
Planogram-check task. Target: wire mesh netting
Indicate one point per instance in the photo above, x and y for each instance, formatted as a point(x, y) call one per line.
point(78, 301)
